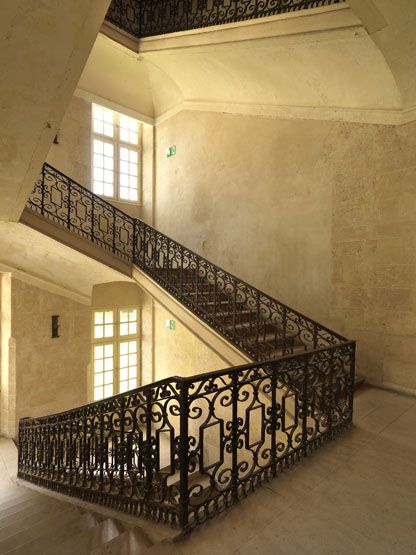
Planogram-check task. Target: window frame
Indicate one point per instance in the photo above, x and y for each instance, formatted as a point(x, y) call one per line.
point(117, 145)
point(115, 341)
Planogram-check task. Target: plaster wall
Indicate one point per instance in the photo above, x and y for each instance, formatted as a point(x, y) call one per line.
point(51, 373)
point(179, 352)
point(319, 214)
point(43, 49)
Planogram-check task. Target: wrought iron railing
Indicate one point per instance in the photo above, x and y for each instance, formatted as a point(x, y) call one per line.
point(183, 449)
point(146, 18)
point(257, 324)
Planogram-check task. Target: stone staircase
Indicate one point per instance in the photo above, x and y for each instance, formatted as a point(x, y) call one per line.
point(35, 523)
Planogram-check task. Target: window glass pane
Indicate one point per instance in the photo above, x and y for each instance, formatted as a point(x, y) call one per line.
point(98, 111)
point(103, 168)
point(98, 146)
point(109, 317)
point(103, 367)
point(128, 364)
point(98, 127)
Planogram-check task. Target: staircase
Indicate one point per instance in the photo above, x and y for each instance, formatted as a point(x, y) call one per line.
point(38, 524)
point(182, 450)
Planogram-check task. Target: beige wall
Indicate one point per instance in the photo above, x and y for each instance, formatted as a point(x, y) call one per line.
point(51, 373)
point(179, 352)
point(319, 214)
point(43, 49)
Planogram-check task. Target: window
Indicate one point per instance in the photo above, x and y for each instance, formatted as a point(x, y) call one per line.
point(115, 154)
point(115, 351)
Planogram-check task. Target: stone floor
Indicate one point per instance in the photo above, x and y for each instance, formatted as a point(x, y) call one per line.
point(357, 495)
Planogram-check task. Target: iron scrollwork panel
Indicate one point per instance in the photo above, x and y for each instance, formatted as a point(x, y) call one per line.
point(145, 18)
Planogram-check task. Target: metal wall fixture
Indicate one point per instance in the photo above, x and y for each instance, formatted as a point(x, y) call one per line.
point(55, 326)
point(183, 449)
point(146, 18)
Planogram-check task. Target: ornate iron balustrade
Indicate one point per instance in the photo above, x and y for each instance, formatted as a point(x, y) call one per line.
point(146, 18)
point(183, 449)
point(59, 198)
point(257, 324)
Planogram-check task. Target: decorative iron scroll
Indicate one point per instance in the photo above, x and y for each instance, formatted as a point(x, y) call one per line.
point(183, 449)
point(257, 324)
point(67, 203)
point(146, 18)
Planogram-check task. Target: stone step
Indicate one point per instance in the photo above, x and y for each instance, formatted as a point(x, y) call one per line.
point(88, 540)
point(130, 542)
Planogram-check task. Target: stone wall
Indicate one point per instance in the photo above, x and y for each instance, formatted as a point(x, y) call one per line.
point(319, 214)
point(51, 373)
point(179, 352)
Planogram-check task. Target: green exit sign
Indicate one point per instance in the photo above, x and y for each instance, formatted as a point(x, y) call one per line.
point(171, 151)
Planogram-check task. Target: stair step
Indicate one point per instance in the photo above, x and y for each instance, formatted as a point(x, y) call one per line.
point(358, 381)
point(133, 541)
point(88, 540)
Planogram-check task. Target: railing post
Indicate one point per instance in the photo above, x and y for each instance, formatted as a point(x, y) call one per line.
point(183, 454)
point(330, 396)
point(257, 323)
point(284, 325)
point(68, 216)
point(351, 384)
point(148, 449)
point(92, 218)
point(273, 420)
point(114, 228)
point(234, 437)
point(122, 446)
point(42, 193)
point(134, 243)
point(101, 449)
point(305, 409)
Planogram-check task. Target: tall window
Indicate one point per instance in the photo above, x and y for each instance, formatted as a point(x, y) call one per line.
point(115, 351)
point(115, 154)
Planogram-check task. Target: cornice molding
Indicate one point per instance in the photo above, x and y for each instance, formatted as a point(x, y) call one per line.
point(377, 116)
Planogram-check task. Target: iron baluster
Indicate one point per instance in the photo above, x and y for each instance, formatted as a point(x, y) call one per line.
point(352, 348)
point(257, 320)
point(304, 412)
point(183, 454)
point(148, 445)
point(234, 436)
point(114, 228)
point(273, 419)
point(68, 216)
point(134, 256)
point(92, 218)
point(43, 190)
point(121, 446)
